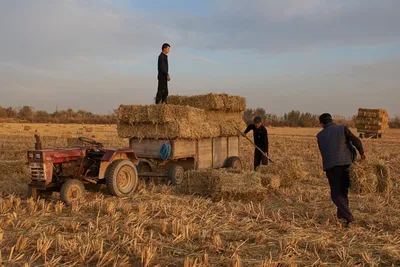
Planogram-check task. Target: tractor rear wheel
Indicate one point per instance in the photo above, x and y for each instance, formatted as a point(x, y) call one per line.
point(122, 178)
point(71, 191)
point(233, 163)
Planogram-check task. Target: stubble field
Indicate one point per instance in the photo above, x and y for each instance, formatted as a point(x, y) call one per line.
point(295, 226)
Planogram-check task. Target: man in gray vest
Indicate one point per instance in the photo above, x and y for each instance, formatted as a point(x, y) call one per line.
point(335, 143)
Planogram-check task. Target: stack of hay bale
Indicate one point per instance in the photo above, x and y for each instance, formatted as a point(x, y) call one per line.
point(185, 117)
point(372, 121)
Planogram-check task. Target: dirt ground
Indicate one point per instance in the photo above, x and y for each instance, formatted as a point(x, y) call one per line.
point(295, 226)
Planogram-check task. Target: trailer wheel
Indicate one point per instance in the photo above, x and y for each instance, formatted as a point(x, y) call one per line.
point(379, 135)
point(361, 135)
point(72, 190)
point(122, 178)
point(176, 174)
point(233, 163)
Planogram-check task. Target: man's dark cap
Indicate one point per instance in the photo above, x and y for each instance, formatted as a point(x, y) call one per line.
point(257, 119)
point(325, 118)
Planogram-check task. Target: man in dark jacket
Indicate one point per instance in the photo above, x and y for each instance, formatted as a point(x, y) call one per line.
point(163, 75)
point(261, 140)
point(335, 143)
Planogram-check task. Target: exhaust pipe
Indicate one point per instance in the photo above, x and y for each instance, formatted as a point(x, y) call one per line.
point(38, 141)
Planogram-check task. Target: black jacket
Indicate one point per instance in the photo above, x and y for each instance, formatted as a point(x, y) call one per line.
point(335, 143)
point(260, 136)
point(162, 65)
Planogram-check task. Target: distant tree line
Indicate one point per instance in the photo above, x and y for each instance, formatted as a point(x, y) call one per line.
point(29, 114)
point(293, 118)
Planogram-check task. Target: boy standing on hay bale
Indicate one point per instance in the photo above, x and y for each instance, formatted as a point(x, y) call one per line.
point(261, 140)
point(333, 143)
point(163, 75)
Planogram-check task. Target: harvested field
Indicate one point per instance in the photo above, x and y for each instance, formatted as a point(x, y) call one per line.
point(294, 226)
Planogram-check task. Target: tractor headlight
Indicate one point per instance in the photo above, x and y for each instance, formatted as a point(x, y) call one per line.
point(38, 156)
point(30, 155)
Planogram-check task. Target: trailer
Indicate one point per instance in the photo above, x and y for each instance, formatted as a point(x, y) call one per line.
point(371, 123)
point(370, 134)
point(171, 158)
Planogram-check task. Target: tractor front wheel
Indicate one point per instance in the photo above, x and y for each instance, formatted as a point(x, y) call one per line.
point(71, 191)
point(122, 178)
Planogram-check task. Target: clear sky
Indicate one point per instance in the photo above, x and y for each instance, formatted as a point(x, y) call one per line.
point(311, 55)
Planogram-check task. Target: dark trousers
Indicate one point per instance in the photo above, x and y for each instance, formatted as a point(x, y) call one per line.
point(259, 159)
point(339, 182)
point(162, 91)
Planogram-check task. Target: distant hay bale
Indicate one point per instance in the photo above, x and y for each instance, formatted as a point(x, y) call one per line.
point(289, 171)
point(224, 184)
point(221, 102)
point(369, 177)
point(372, 120)
point(89, 129)
point(27, 128)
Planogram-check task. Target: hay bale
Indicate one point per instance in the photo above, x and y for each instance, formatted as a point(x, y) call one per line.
point(27, 128)
point(224, 184)
point(362, 178)
point(288, 170)
point(271, 181)
point(369, 177)
point(384, 184)
point(195, 128)
point(89, 129)
point(221, 102)
point(170, 130)
point(157, 113)
point(177, 121)
point(228, 122)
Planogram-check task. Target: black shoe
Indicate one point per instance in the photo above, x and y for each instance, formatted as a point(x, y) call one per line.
point(347, 223)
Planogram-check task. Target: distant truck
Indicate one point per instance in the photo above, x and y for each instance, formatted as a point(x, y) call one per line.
point(372, 123)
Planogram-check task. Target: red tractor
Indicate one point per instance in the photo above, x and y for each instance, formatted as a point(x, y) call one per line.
point(70, 170)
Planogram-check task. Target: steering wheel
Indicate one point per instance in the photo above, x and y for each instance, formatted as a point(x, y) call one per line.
point(89, 141)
